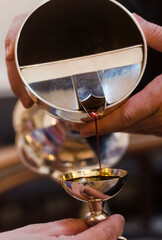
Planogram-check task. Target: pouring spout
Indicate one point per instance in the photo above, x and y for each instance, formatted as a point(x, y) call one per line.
point(89, 92)
point(94, 106)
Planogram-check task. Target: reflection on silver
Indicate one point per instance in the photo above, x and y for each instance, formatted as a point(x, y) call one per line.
point(49, 146)
point(118, 82)
point(71, 62)
point(94, 187)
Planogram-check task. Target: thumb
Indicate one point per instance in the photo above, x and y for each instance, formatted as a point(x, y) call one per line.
point(12, 34)
point(137, 108)
point(153, 33)
point(109, 229)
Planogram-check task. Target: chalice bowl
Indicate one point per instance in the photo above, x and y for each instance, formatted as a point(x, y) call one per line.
point(94, 187)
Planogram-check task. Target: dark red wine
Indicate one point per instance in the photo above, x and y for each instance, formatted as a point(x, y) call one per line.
point(94, 115)
point(94, 178)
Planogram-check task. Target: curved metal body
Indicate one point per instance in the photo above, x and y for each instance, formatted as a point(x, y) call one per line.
point(94, 187)
point(75, 57)
point(70, 54)
point(50, 147)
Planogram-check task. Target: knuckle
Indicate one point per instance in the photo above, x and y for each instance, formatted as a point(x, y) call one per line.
point(126, 119)
point(7, 40)
point(155, 32)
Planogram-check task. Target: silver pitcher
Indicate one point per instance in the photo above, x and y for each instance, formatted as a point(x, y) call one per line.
point(75, 57)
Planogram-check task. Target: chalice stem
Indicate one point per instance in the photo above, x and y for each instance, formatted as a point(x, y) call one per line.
point(96, 207)
point(97, 214)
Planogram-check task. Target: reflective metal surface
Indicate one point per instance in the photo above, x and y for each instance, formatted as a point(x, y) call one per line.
point(94, 187)
point(73, 56)
point(50, 147)
point(77, 55)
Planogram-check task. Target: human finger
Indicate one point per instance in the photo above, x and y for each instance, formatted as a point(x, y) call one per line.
point(66, 227)
point(15, 81)
point(134, 110)
point(46, 231)
point(152, 125)
point(109, 229)
point(12, 34)
point(153, 32)
point(17, 85)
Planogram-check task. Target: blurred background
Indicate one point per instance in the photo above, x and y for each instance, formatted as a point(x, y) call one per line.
point(27, 198)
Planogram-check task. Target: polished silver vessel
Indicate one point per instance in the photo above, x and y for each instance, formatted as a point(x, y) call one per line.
point(75, 57)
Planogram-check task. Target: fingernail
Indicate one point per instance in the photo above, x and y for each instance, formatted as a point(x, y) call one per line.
point(140, 20)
